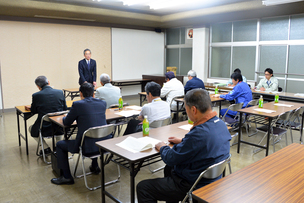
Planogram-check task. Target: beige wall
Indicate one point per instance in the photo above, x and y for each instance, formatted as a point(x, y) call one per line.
point(30, 49)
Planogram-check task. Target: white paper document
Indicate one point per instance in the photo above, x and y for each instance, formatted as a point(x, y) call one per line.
point(137, 108)
point(299, 95)
point(186, 127)
point(138, 144)
point(287, 105)
point(264, 110)
point(128, 113)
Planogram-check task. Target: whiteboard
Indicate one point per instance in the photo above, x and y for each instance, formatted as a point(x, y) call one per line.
point(136, 52)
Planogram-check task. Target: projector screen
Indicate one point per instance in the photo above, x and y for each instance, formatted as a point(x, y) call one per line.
point(136, 52)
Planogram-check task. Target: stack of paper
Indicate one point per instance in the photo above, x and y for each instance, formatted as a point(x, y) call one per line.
point(186, 127)
point(138, 144)
point(128, 113)
point(299, 94)
point(265, 110)
point(137, 108)
point(287, 105)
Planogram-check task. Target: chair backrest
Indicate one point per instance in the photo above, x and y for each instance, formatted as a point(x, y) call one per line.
point(211, 172)
point(160, 123)
point(46, 116)
point(253, 103)
point(236, 107)
point(233, 137)
point(280, 89)
point(176, 97)
point(99, 131)
point(283, 116)
point(117, 105)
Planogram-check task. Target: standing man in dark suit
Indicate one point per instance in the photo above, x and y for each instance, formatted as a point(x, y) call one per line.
point(88, 112)
point(47, 100)
point(87, 69)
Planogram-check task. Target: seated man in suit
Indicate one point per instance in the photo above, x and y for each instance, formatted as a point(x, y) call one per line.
point(107, 92)
point(47, 100)
point(87, 69)
point(156, 109)
point(172, 88)
point(206, 143)
point(240, 93)
point(193, 82)
point(269, 83)
point(88, 112)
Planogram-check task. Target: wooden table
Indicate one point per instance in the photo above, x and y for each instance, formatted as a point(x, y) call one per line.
point(135, 160)
point(161, 78)
point(286, 96)
point(211, 86)
point(25, 114)
point(122, 83)
point(278, 110)
point(276, 178)
point(73, 92)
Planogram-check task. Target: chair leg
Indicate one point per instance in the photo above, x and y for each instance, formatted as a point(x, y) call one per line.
point(229, 165)
point(155, 170)
point(76, 166)
point(291, 137)
point(42, 149)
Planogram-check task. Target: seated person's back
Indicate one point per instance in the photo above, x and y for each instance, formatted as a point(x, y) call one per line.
point(193, 82)
point(88, 112)
point(107, 92)
point(156, 109)
point(207, 143)
point(47, 100)
point(172, 88)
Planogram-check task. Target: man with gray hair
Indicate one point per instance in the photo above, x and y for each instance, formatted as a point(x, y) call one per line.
point(193, 82)
point(206, 143)
point(47, 100)
point(87, 69)
point(107, 92)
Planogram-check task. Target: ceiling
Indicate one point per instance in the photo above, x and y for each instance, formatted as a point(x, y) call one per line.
point(113, 13)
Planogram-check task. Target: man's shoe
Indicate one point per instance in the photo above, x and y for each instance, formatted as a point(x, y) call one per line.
point(46, 151)
point(62, 181)
point(95, 171)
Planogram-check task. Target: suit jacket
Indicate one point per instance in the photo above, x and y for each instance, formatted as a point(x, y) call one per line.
point(89, 112)
point(194, 83)
point(109, 94)
point(48, 100)
point(84, 73)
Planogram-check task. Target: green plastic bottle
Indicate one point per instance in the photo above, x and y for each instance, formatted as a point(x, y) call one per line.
point(120, 103)
point(216, 90)
point(145, 127)
point(276, 98)
point(261, 102)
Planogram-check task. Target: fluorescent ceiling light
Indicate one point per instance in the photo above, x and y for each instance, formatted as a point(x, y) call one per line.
point(276, 2)
point(159, 4)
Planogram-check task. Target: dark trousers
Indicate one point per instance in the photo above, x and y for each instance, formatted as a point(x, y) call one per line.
point(171, 188)
point(133, 127)
point(62, 149)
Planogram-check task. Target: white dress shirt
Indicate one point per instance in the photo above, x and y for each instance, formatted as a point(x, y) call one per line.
point(171, 89)
point(156, 110)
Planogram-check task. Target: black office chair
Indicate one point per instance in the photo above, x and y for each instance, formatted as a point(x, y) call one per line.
point(280, 89)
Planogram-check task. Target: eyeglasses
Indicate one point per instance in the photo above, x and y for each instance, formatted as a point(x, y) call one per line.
point(267, 74)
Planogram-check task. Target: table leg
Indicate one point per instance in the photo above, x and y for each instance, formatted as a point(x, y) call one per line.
point(18, 125)
point(220, 108)
point(177, 111)
point(268, 136)
point(301, 131)
point(102, 165)
point(240, 133)
point(26, 140)
point(132, 182)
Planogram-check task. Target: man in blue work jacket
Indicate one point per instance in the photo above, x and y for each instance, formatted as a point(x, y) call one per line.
point(240, 93)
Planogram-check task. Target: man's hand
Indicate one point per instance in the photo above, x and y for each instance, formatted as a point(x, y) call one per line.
point(262, 89)
point(28, 108)
point(94, 83)
point(174, 140)
point(216, 95)
point(229, 84)
point(159, 145)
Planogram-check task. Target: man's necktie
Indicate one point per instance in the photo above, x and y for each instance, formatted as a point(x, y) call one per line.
point(89, 65)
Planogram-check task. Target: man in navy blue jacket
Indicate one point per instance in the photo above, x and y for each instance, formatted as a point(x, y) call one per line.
point(207, 143)
point(88, 112)
point(240, 93)
point(193, 82)
point(87, 69)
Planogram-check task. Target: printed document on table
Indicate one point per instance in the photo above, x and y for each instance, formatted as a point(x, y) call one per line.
point(138, 144)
